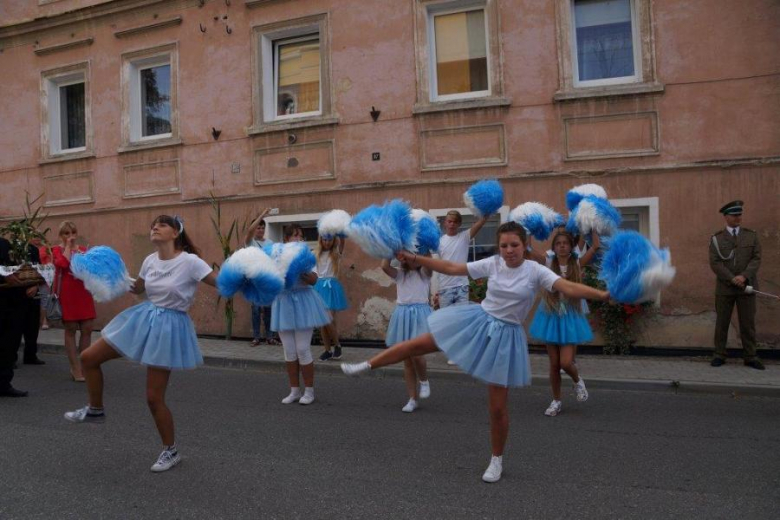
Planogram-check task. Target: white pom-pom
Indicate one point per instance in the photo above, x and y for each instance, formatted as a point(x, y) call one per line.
point(334, 223)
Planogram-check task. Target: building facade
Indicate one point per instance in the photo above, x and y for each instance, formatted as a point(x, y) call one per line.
point(121, 110)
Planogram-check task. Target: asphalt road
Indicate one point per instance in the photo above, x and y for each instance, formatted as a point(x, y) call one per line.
point(354, 454)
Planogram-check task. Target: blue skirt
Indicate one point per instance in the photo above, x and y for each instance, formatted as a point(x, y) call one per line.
point(408, 321)
point(492, 350)
point(154, 336)
point(567, 328)
point(332, 293)
point(298, 308)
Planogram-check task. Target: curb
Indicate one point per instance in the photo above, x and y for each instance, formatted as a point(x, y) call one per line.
point(639, 385)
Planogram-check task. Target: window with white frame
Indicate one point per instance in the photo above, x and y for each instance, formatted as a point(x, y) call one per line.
point(150, 96)
point(307, 221)
point(640, 215)
point(66, 98)
point(296, 76)
point(605, 42)
point(458, 42)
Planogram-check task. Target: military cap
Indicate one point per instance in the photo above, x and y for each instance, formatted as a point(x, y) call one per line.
point(732, 208)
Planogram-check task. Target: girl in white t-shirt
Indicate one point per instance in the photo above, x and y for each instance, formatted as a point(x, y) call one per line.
point(157, 333)
point(487, 340)
point(409, 320)
point(329, 251)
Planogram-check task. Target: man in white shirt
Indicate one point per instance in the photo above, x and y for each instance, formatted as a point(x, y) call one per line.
point(454, 246)
point(255, 236)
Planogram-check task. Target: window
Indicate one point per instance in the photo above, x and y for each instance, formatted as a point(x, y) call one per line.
point(149, 97)
point(308, 222)
point(65, 108)
point(605, 48)
point(604, 42)
point(292, 67)
point(297, 76)
point(459, 53)
point(484, 244)
point(640, 215)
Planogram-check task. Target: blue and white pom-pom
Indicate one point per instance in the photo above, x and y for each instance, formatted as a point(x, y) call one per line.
point(334, 223)
point(382, 231)
point(575, 195)
point(293, 259)
point(252, 272)
point(103, 272)
point(634, 269)
point(484, 198)
point(427, 232)
point(538, 219)
point(593, 214)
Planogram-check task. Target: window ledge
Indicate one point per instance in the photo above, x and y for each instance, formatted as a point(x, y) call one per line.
point(147, 145)
point(468, 104)
point(57, 158)
point(292, 124)
point(630, 89)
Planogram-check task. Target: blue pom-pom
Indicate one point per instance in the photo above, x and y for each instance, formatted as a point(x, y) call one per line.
point(252, 272)
point(484, 198)
point(593, 214)
point(302, 262)
point(539, 220)
point(382, 231)
point(103, 272)
point(230, 279)
point(263, 288)
point(634, 269)
point(575, 195)
point(428, 232)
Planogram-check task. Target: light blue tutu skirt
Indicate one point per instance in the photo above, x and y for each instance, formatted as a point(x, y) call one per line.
point(154, 336)
point(567, 327)
point(298, 308)
point(332, 293)
point(492, 350)
point(408, 321)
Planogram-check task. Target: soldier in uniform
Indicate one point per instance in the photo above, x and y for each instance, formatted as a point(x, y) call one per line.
point(13, 296)
point(735, 256)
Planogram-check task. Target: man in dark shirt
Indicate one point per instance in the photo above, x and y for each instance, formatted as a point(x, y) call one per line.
point(13, 301)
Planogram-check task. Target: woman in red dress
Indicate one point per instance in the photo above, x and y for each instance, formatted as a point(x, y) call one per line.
point(78, 308)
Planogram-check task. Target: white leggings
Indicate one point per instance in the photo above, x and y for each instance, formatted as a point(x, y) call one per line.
point(297, 345)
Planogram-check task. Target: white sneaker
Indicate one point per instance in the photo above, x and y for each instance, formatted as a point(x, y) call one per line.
point(355, 369)
point(554, 409)
point(308, 397)
point(425, 389)
point(82, 415)
point(493, 472)
point(410, 406)
point(295, 395)
point(166, 461)
point(582, 392)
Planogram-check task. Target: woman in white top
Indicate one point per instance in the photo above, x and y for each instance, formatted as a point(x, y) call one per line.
point(487, 340)
point(409, 320)
point(157, 333)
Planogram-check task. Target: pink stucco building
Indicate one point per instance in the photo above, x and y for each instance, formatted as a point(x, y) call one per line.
point(121, 110)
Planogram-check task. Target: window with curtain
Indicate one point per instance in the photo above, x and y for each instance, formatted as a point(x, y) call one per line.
point(461, 52)
point(155, 100)
point(73, 131)
point(604, 39)
point(297, 75)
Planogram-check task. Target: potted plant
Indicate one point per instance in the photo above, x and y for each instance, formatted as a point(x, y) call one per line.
point(20, 234)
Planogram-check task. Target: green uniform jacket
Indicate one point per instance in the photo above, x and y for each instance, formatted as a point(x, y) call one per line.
point(733, 257)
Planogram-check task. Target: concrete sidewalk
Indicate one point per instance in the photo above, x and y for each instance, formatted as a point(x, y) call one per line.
point(676, 374)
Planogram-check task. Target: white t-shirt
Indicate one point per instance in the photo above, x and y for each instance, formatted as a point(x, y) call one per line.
point(454, 249)
point(511, 291)
point(325, 267)
point(414, 286)
point(564, 273)
point(172, 283)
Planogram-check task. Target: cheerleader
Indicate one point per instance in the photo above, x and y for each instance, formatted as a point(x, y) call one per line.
point(409, 320)
point(560, 321)
point(294, 315)
point(157, 333)
point(487, 340)
point(329, 252)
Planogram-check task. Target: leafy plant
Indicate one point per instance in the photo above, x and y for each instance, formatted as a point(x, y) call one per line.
point(477, 289)
point(22, 232)
point(618, 321)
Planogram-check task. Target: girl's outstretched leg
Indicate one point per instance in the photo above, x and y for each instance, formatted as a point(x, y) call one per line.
point(419, 346)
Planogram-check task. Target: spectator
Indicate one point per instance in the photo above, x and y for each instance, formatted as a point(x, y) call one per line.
point(78, 308)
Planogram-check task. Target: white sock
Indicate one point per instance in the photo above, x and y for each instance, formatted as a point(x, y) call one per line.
point(499, 459)
point(308, 392)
